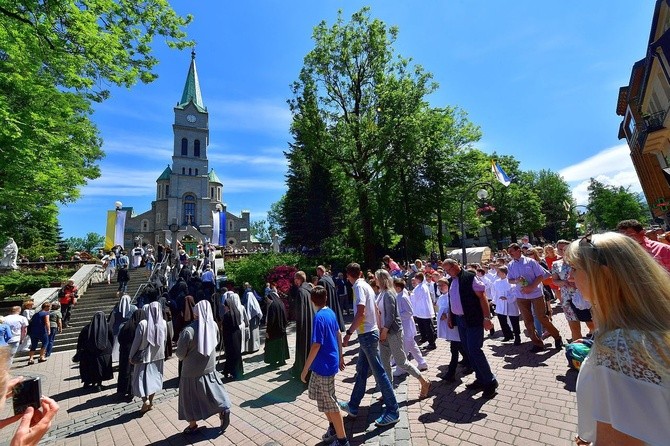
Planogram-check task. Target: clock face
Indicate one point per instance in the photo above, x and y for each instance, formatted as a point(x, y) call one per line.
point(191, 118)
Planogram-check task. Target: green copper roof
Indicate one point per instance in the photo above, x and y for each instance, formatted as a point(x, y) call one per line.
point(191, 91)
point(213, 178)
point(166, 174)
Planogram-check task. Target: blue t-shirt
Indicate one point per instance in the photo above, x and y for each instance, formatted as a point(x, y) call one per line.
point(324, 332)
point(5, 334)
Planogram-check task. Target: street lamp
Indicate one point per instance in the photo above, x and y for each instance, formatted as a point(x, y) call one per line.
point(118, 205)
point(482, 194)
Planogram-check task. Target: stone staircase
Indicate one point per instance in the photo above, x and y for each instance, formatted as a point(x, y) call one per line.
point(98, 297)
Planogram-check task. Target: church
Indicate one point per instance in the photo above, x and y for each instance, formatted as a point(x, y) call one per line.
point(189, 195)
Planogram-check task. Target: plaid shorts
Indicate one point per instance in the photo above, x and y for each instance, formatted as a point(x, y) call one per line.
point(322, 389)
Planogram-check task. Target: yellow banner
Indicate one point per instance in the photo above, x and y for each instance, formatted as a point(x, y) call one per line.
point(111, 229)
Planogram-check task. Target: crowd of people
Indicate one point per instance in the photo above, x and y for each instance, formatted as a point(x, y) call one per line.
point(614, 284)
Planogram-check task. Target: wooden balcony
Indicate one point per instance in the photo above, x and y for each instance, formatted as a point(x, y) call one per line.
point(657, 132)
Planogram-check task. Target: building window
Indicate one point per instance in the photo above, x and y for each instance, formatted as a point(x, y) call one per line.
point(183, 170)
point(196, 148)
point(196, 171)
point(189, 210)
point(211, 192)
point(167, 190)
point(145, 226)
point(190, 172)
point(184, 147)
point(218, 193)
point(231, 226)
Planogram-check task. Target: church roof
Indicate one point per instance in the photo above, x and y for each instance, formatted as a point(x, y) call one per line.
point(166, 174)
point(191, 91)
point(213, 178)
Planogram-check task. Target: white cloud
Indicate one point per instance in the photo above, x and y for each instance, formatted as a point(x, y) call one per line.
point(251, 185)
point(611, 166)
point(117, 181)
point(251, 160)
point(148, 147)
point(607, 161)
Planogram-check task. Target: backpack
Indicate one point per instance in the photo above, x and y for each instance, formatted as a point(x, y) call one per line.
point(577, 351)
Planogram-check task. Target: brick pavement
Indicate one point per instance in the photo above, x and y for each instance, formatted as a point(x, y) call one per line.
point(535, 404)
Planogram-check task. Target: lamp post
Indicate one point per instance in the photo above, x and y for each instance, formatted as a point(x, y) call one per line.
point(481, 194)
point(174, 227)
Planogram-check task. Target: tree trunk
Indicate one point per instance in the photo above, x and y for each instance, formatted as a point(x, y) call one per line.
point(369, 253)
point(439, 232)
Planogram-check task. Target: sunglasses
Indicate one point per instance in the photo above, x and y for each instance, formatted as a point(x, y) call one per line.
point(587, 241)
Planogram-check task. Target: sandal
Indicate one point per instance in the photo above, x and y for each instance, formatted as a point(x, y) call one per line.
point(42, 360)
point(190, 430)
point(145, 408)
point(425, 388)
point(31, 362)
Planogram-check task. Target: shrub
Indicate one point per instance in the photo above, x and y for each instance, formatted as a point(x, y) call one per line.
point(28, 281)
point(255, 268)
point(282, 276)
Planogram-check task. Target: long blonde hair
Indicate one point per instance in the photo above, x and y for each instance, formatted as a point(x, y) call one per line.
point(628, 288)
point(384, 281)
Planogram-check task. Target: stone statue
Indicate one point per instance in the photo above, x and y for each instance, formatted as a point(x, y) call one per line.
point(9, 255)
point(275, 242)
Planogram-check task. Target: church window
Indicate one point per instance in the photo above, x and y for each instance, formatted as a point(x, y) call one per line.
point(145, 225)
point(184, 147)
point(167, 190)
point(218, 193)
point(158, 191)
point(231, 226)
point(211, 192)
point(189, 172)
point(183, 170)
point(196, 148)
point(196, 171)
point(189, 210)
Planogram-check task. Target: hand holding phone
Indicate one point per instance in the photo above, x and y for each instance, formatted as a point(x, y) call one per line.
point(26, 393)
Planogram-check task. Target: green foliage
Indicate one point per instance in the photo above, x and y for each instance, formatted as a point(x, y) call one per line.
point(261, 231)
point(608, 205)
point(87, 243)
point(56, 58)
point(28, 282)
point(255, 268)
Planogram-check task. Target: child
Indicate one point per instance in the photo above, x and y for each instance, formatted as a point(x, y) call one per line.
point(504, 296)
point(324, 359)
point(408, 327)
point(450, 334)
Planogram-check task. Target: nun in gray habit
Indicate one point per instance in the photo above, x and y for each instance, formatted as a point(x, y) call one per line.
point(201, 391)
point(148, 354)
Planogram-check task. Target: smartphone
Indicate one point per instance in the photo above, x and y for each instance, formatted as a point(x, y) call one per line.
point(27, 393)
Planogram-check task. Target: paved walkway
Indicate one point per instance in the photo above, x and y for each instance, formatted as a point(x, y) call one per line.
point(535, 405)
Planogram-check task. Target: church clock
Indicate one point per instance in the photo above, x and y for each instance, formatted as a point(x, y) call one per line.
point(191, 118)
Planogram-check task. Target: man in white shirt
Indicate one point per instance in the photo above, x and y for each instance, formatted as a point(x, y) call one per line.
point(424, 311)
point(365, 324)
point(19, 326)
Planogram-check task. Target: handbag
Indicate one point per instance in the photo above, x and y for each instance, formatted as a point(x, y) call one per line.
point(138, 357)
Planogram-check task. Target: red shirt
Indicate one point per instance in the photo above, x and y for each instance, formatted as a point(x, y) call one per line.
point(659, 251)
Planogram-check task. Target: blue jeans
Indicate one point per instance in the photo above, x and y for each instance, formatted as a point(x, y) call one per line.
point(472, 339)
point(369, 358)
point(52, 338)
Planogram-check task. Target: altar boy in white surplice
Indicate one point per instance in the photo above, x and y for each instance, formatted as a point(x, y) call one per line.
point(504, 295)
point(450, 334)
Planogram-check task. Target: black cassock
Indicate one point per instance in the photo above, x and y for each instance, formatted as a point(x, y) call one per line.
point(333, 302)
point(304, 317)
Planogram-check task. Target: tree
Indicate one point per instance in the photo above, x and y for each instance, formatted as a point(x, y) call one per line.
point(608, 205)
point(553, 192)
point(55, 58)
point(87, 243)
point(261, 230)
point(354, 93)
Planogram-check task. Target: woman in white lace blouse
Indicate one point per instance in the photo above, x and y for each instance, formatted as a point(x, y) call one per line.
point(623, 388)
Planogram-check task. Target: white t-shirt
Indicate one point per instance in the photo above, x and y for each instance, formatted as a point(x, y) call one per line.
point(365, 295)
point(421, 302)
point(16, 322)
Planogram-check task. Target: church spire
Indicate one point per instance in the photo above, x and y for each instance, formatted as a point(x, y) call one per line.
point(191, 91)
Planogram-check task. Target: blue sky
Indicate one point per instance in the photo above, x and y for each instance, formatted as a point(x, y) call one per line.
point(540, 78)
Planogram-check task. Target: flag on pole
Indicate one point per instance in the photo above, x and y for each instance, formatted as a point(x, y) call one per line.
point(116, 224)
point(219, 228)
point(500, 174)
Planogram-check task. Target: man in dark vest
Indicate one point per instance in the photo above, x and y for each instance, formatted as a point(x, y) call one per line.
point(469, 311)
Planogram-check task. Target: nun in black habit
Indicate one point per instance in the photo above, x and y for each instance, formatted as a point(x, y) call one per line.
point(232, 338)
point(94, 349)
point(304, 317)
point(276, 343)
point(126, 336)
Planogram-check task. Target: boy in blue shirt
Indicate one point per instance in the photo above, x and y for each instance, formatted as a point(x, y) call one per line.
point(324, 359)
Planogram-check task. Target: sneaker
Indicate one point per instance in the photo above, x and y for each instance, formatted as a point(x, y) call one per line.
point(387, 419)
point(490, 390)
point(423, 367)
point(558, 343)
point(475, 385)
point(330, 435)
point(344, 407)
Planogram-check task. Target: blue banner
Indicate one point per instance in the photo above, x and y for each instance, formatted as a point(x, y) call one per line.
point(222, 228)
